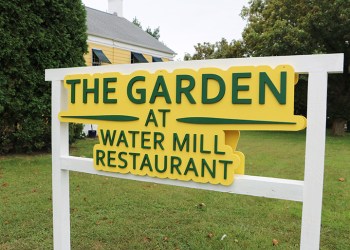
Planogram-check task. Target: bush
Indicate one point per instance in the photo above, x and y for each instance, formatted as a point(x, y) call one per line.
point(75, 132)
point(35, 35)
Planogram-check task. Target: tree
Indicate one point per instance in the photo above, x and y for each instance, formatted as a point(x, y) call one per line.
point(203, 51)
point(293, 27)
point(155, 32)
point(34, 36)
point(137, 22)
point(221, 49)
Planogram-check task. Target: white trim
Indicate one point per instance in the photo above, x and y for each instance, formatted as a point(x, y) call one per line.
point(128, 47)
point(100, 40)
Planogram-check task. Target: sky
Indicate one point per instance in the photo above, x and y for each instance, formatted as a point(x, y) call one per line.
point(184, 23)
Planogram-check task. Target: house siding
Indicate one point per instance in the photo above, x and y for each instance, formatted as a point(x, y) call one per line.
point(115, 55)
point(148, 57)
point(121, 56)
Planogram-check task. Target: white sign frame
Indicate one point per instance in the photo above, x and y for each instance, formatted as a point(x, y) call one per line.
point(309, 191)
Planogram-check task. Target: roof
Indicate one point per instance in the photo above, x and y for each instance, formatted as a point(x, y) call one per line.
point(117, 28)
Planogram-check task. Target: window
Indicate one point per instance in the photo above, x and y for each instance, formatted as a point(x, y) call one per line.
point(156, 59)
point(138, 58)
point(98, 57)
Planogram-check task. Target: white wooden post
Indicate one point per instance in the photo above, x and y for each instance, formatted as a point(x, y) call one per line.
point(314, 161)
point(60, 177)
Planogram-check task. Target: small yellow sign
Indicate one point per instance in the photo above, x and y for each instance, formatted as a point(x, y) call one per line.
point(184, 124)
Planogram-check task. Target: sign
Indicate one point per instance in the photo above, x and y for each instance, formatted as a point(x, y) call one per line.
point(213, 98)
point(184, 124)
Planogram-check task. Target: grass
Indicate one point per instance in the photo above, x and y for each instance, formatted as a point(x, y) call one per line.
point(109, 213)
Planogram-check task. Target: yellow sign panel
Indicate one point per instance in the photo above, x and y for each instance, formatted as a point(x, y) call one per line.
point(184, 124)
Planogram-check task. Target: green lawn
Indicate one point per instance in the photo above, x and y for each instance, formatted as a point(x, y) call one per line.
point(108, 213)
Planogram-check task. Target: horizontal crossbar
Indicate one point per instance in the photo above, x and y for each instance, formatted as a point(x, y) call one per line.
point(243, 184)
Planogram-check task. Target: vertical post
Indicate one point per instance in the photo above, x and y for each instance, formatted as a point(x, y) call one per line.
point(60, 178)
point(314, 161)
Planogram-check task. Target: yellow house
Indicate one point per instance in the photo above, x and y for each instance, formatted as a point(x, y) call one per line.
point(113, 39)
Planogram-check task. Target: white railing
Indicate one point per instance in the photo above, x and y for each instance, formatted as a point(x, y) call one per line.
point(308, 191)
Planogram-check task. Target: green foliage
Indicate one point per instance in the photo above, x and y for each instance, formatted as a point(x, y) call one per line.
point(274, 28)
point(221, 49)
point(155, 32)
point(137, 22)
point(289, 27)
point(75, 132)
point(35, 35)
